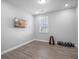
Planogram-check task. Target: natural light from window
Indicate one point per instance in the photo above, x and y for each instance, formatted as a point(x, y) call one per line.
point(43, 24)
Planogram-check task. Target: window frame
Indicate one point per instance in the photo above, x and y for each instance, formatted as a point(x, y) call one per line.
point(46, 20)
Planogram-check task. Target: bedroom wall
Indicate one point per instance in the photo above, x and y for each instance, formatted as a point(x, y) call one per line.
point(11, 36)
point(62, 25)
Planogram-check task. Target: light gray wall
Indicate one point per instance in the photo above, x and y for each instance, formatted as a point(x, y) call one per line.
point(62, 25)
point(11, 36)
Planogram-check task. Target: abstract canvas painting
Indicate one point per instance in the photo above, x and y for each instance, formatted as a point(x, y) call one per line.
point(20, 23)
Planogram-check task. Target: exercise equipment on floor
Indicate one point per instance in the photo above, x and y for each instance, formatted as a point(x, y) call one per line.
point(51, 40)
point(66, 44)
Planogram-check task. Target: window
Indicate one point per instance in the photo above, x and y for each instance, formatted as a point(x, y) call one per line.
point(43, 24)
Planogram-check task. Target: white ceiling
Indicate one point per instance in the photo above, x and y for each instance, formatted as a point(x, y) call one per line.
point(33, 7)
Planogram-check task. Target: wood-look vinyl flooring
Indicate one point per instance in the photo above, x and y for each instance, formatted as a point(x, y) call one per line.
point(42, 50)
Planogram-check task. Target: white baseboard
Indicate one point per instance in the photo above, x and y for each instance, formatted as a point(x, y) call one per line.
point(44, 40)
point(8, 50)
point(41, 40)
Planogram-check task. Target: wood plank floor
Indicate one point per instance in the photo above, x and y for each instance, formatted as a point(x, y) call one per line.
point(41, 50)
